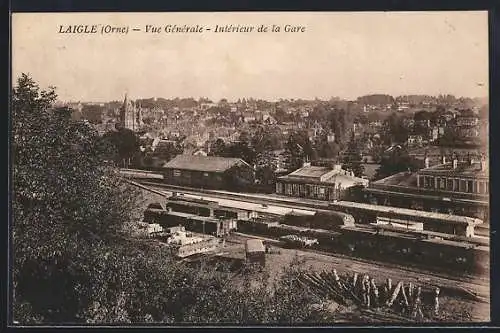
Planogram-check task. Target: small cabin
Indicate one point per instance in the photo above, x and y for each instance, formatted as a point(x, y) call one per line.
point(255, 252)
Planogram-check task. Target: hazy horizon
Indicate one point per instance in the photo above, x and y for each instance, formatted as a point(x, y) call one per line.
point(343, 55)
point(197, 98)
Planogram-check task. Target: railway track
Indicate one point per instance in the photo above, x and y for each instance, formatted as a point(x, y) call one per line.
point(466, 283)
point(293, 204)
point(161, 188)
point(239, 197)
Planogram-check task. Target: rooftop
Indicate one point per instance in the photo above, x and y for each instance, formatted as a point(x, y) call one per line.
point(462, 169)
point(399, 179)
point(203, 163)
point(192, 216)
point(254, 245)
point(404, 184)
point(322, 175)
point(310, 171)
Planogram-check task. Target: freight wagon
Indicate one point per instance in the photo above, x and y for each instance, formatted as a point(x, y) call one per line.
point(389, 244)
point(195, 223)
point(320, 220)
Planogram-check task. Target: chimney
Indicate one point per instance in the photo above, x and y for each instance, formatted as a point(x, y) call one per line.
point(426, 162)
point(455, 163)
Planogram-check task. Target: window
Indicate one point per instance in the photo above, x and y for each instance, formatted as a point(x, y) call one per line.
point(443, 183)
point(321, 190)
point(470, 186)
point(431, 183)
point(462, 185)
point(177, 173)
point(481, 187)
point(449, 184)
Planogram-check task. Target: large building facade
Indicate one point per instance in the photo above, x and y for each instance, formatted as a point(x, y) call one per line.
point(455, 187)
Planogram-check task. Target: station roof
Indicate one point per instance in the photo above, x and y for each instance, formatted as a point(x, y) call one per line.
point(441, 197)
point(192, 216)
point(191, 201)
point(203, 163)
point(409, 212)
point(399, 179)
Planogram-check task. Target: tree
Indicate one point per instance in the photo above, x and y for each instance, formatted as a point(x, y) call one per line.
point(218, 148)
point(397, 160)
point(353, 159)
point(298, 149)
point(395, 131)
point(340, 123)
point(66, 204)
point(126, 144)
point(328, 149)
point(73, 261)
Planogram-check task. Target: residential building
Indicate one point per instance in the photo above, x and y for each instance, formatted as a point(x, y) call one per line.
point(467, 125)
point(415, 140)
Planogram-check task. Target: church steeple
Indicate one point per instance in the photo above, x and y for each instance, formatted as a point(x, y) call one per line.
point(128, 114)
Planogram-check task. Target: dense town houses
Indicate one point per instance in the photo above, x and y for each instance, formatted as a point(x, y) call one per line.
point(273, 140)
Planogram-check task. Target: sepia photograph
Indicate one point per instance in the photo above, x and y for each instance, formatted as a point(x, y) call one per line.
point(249, 168)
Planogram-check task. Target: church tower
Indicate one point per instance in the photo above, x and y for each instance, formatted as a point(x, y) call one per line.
point(128, 115)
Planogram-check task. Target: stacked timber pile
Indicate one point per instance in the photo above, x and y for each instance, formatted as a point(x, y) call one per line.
point(387, 302)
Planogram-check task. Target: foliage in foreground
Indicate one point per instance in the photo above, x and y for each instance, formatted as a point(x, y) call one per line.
point(72, 264)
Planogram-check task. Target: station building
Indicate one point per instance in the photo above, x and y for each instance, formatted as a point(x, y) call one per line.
point(318, 182)
point(208, 172)
point(455, 187)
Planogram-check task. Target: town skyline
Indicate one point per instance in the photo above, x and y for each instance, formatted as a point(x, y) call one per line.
point(484, 99)
point(340, 54)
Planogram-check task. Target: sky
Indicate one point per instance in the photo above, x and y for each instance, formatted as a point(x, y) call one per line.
point(342, 55)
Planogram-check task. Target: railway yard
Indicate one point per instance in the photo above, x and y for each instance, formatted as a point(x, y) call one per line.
point(464, 297)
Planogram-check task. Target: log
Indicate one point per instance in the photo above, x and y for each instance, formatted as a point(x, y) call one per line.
point(405, 299)
point(368, 292)
point(410, 291)
point(436, 301)
point(416, 305)
point(354, 280)
point(337, 279)
point(374, 290)
point(394, 294)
